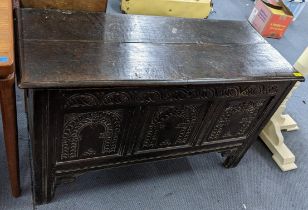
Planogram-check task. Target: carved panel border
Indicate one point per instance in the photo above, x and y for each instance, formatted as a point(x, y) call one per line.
point(236, 118)
point(107, 126)
point(169, 126)
point(105, 97)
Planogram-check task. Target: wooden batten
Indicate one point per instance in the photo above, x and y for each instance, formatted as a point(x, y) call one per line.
point(85, 5)
point(6, 39)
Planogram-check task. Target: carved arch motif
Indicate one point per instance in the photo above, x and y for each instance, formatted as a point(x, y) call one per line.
point(81, 100)
point(170, 126)
point(106, 129)
point(236, 118)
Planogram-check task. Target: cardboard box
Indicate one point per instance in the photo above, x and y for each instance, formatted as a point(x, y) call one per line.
point(271, 18)
point(175, 8)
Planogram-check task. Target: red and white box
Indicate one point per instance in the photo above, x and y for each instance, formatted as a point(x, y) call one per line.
point(271, 18)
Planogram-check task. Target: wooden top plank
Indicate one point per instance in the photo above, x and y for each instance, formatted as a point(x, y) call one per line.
point(73, 26)
point(84, 5)
point(6, 38)
point(73, 49)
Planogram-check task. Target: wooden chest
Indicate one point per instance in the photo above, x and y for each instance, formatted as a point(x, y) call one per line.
point(105, 91)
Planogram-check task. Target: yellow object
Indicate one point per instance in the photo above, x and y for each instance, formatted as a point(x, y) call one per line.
point(301, 64)
point(277, 11)
point(175, 8)
point(297, 74)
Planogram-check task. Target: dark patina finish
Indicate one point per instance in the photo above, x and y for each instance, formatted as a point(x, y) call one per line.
point(104, 91)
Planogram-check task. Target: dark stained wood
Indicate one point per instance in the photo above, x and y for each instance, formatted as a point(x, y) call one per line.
point(79, 5)
point(93, 64)
point(128, 50)
point(106, 91)
point(133, 28)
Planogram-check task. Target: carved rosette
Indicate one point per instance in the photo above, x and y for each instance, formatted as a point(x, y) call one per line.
point(170, 126)
point(236, 119)
point(98, 98)
point(81, 100)
point(90, 134)
point(115, 98)
point(148, 96)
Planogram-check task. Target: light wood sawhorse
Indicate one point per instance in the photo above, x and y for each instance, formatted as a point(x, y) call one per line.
point(272, 135)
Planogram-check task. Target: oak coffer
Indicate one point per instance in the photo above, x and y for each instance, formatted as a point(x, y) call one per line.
point(104, 91)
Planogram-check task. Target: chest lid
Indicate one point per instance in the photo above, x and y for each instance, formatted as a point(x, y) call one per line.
point(79, 49)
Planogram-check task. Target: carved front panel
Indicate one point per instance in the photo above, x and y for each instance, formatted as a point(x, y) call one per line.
point(160, 118)
point(91, 134)
point(169, 126)
point(236, 118)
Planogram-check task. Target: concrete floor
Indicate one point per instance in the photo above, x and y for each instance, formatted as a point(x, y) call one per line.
point(197, 182)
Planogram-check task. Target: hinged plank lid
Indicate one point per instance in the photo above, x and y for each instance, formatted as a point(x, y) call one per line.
point(74, 49)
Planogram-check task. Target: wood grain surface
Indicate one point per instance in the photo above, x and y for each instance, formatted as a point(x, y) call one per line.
point(6, 39)
point(59, 49)
point(84, 5)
